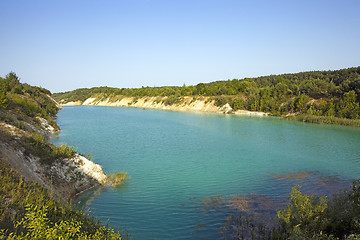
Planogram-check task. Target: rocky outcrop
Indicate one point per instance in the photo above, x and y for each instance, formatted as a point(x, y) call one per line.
point(184, 104)
point(46, 128)
point(64, 178)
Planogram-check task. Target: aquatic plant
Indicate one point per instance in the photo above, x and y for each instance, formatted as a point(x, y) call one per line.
point(116, 179)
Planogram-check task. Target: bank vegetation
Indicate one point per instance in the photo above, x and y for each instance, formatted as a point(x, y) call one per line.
point(37, 178)
point(317, 96)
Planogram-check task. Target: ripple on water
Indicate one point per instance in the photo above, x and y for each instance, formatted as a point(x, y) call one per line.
point(174, 157)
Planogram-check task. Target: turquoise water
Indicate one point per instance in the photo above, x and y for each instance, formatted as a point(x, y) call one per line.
point(174, 159)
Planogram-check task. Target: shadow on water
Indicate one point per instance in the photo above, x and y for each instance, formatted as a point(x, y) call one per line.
point(84, 199)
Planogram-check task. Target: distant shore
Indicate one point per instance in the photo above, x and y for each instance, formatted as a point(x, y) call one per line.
point(203, 104)
point(187, 104)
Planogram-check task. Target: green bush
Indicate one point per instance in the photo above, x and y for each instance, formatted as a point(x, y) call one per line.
point(311, 217)
point(64, 151)
point(48, 153)
point(306, 217)
point(325, 120)
point(238, 103)
point(221, 101)
point(170, 100)
point(28, 212)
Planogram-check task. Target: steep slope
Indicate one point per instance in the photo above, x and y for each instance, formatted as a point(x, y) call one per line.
point(183, 104)
point(27, 119)
point(38, 208)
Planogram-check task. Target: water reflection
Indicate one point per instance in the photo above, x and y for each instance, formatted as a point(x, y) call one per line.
point(84, 199)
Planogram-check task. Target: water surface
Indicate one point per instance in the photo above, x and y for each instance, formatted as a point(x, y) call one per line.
point(176, 160)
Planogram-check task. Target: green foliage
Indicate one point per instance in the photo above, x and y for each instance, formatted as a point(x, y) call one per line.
point(301, 103)
point(3, 98)
point(311, 217)
point(88, 156)
point(172, 99)
point(348, 107)
point(37, 145)
point(64, 151)
point(238, 103)
point(221, 101)
point(325, 120)
point(27, 212)
point(25, 100)
point(37, 225)
point(306, 217)
point(323, 93)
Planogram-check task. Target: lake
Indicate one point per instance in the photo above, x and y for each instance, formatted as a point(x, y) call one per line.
point(185, 168)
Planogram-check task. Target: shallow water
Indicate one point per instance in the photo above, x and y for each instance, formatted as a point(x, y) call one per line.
point(176, 160)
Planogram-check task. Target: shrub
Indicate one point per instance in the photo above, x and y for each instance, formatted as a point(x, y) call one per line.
point(304, 215)
point(221, 101)
point(27, 212)
point(172, 100)
point(238, 103)
point(64, 151)
point(47, 152)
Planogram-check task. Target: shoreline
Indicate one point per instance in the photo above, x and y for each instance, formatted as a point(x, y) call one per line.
point(205, 105)
point(64, 178)
point(188, 104)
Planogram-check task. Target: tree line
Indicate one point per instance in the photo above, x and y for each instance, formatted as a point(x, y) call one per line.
point(317, 93)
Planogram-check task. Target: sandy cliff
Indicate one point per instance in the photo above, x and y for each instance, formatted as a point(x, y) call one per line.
point(184, 104)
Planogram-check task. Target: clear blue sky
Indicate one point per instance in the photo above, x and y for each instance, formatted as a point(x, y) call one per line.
point(64, 45)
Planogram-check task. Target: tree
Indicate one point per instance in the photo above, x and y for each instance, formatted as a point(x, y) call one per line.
point(348, 107)
point(12, 80)
point(3, 98)
point(304, 214)
point(301, 103)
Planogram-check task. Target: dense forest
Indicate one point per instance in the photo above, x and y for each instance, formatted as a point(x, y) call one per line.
point(27, 209)
point(319, 96)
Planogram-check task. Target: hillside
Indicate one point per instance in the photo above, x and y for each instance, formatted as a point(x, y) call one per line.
point(318, 96)
point(38, 178)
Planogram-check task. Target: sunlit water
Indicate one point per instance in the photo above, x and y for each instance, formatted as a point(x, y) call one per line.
point(177, 159)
